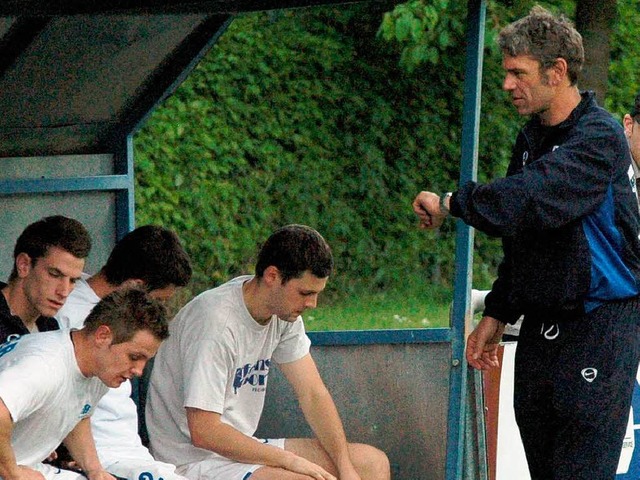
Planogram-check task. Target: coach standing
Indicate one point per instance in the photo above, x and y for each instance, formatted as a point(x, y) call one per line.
point(568, 219)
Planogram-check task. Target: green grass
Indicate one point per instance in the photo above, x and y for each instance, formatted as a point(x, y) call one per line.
point(411, 305)
point(403, 307)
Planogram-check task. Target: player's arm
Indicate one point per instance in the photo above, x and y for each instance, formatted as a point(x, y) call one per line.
point(320, 412)
point(9, 468)
point(209, 432)
point(82, 448)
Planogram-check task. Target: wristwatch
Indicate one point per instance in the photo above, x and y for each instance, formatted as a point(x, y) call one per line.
point(443, 206)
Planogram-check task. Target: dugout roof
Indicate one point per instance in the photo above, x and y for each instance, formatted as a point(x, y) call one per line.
point(77, 74)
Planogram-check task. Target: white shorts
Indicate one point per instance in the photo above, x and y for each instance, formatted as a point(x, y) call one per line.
point(142, 469)
point(49, 472)
point(220, 468)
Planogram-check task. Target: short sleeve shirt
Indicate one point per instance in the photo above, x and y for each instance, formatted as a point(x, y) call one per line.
point(217, 358)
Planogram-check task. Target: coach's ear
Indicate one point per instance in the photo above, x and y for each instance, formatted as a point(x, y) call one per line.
point(103, 335)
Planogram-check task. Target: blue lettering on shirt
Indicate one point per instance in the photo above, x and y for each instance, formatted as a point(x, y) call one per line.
point(86, 409)
point(252, 374)
point(9, 345)
point(147, 476)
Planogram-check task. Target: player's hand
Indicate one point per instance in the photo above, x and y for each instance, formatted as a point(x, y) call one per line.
point(350, 475)
point(53, 456)
point(25, 473)
point(426, 206)
point(70, 465)
point(482, 344)
point(305, 467)
point(98, 474)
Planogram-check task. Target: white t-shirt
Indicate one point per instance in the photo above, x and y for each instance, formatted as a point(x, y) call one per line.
point(115, 420)
point(45, 392)
point(78, 305)
point(217, 358)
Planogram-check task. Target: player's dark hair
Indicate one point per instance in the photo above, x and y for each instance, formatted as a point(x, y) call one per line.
point(65, 233)
point(127, 311)
point(293, 250)
point(150, 253)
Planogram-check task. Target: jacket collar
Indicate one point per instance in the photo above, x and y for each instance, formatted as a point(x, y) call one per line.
point(588, 101)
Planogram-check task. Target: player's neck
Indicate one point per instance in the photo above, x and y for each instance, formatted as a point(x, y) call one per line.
point(81, 349)
point(19, 304)
point(100, 285)
point(252, 295)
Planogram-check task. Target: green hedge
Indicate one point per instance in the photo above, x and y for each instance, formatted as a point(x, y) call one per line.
point(313, 116)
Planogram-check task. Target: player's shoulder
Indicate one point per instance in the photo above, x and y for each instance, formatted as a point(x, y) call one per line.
point(45, 353)
point(214, 305)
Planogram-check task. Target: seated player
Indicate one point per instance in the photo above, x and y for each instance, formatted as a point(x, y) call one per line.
point(209, 381)
point(152, 258)
point(48, 257)
point(51, 382)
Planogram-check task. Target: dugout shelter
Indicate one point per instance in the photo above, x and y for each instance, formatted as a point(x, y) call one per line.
point(79, 77)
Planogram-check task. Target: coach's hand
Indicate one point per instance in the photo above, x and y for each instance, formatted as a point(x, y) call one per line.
point(427, 206)
point(482, 344)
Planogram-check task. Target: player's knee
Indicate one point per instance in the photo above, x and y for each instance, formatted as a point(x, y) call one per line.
point(380, 465)
point(372, 463)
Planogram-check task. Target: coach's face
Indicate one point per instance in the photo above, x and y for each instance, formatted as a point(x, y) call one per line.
point(119, 362)
point(531, 90)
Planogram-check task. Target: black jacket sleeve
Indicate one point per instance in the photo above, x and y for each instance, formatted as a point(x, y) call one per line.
point(561, 186)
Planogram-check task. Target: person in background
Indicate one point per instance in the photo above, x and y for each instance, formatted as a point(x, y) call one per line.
point(209, 382)
point(51, 382)
point(631, 122)
point(48, 259)
point(152, 258)
point(569, 222)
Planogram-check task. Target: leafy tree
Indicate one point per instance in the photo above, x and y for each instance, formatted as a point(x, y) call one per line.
point(336, 118)
point(595, 20)
point(624, 82)
point(291, 120)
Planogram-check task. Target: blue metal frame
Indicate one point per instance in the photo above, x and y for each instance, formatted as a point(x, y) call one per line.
point(53, 185)
point(125, 199)
point(120, 139)
point(381, 337)
point(461, 312)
